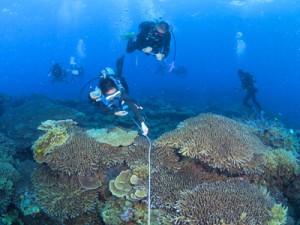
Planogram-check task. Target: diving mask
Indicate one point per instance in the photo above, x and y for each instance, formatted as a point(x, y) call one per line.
point(112, 96)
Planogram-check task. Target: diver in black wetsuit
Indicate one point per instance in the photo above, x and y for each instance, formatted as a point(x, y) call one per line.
point(153, 38)
point(248, 83)
point(57, 73)
point(111, 97)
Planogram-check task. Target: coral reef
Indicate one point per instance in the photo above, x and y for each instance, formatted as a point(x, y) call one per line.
point(218, 141)
point(115, 136)
point(235, 202)
point(201, 172)
point(61, 196)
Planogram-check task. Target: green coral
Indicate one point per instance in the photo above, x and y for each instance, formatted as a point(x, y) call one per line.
point(279, 215)
point(282, 164)
point(44, 145)
point(128, 184)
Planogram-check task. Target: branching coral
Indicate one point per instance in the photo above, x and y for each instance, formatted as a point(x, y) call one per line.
point(216, 140)
point(168, 184)
point(62, 196)
point(236, 202)
point(279, 215)
point(281, 166)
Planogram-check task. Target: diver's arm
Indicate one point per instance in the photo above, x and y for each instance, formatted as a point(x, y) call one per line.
point(135, 108)
point(166, 47)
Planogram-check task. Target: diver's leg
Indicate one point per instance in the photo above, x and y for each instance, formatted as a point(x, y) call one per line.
point(255, 102)
point(119, 66)
point(131, 45)
point(246, 99)
point(125, 85)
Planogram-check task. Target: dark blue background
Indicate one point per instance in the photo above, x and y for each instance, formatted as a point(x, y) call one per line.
point(35, 33)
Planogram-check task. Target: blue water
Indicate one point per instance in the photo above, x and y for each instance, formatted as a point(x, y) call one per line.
point(35, 33)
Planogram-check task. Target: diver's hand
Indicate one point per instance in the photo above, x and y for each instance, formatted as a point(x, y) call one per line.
point(159, 56)
point(144, 128)
point(147, 49)
point(121, 113)
point(94, 95)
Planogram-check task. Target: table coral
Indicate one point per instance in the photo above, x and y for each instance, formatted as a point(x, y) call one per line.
point(82, 156)
point(168, 184)
point(216, 140)
point(114, 136)
point(237, 202)
point(61, 196)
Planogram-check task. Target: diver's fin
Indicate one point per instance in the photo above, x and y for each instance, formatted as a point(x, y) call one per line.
point(119, 66)
point(127, 35)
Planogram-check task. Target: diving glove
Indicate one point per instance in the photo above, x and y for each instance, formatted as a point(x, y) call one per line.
point(121, 113)
point(96, 95)
point(147, 49)
point(159, 56)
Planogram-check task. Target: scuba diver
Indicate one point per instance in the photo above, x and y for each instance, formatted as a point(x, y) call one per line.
point(153, 38)
point(57, 73)
point(111, 97)
point(248, 83)
point(75, 70)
